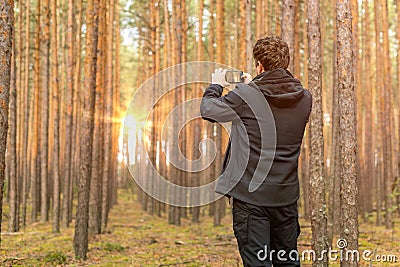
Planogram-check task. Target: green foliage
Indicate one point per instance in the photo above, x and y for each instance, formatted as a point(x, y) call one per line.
point(113, 247)
point(55, 257)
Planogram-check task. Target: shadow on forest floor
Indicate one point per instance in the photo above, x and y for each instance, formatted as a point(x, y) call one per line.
point(135, 238)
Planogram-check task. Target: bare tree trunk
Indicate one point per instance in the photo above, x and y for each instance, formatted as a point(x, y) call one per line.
point(76, 108)
point(35, 178)
point(220, 57)
point(26, 131)
point(249, 44)
point(82, 214)
point(56, 122)
point(288, 17)
point(397, 105)
point(197, 131)
point(96, 182)
point(317, 180)
point(108, 113)
point(378, 88)
point(347, 131)
point(368, 122)
point(44, 208)
point(387, 118)
point(68, 114)
point(242, 34)
point(6, 42)
point(8, 28)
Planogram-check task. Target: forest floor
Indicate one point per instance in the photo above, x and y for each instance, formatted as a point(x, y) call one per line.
point(136, 238)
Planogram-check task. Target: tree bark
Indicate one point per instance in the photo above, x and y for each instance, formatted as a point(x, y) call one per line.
point(108, 113)
point(317, 180)
point(82, 214)
point(35, 178)
point(347, 130)
point(288, 17)
point(56, 121)
point(44, 136)
point(7, 27)
point(24, 154)
point(68, 114)
point(95, 201)
point(6, 47)
point(249, 44)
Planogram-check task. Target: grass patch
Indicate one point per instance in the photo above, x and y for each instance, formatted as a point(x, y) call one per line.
point(112, 247)
point(55, 257)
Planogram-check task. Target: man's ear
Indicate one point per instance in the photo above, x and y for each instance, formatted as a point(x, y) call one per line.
point(261, 66)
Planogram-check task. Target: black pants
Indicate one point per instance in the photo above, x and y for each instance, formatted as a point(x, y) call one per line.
point(266, 236)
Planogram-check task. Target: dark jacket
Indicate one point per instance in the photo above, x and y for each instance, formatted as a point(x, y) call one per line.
point(289, 109)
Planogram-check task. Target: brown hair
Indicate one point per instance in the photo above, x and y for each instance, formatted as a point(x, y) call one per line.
point(272, 52)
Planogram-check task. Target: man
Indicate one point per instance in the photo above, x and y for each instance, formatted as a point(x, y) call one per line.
point(265, 221)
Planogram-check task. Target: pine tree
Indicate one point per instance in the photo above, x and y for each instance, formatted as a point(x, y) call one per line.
point(347, 130)
point(6, 48)
point(82, 214)
point(317, 181)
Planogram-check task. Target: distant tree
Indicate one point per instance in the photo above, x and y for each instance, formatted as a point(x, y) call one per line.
point(44, 126)
point(26, 130)
point(386, 116)
point(288, 17)
point(249, 37)
point(220, 58)
point(56, 121)
point(35, 170)
point(67, 173)
point(82, 214)
point(108, 115)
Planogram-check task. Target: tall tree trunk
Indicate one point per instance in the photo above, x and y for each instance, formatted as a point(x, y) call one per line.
point(6, 47)
point(242, 34)
point(377, 115)
point(76, 108)
point(96, 182)
point(288, 17)
point(7, 27)
point(35, 178)
point(220, 58)
point(68, 114)
point(56, 122)
point(82, 214)
point(249, 44)
point(317, 180)
point(108, 113)
point(397, 104)
point(347, 130)
point(25, 160)
point(387, 118)
point(197, 131)
point(44, 140)
point(368, 122)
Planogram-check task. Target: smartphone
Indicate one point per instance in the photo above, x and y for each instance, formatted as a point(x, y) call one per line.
point(234, 76)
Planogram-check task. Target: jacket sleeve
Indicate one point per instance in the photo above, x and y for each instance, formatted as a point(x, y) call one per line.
point(217, 108)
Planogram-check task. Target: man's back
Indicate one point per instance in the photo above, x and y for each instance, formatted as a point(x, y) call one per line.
point(290, 105)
